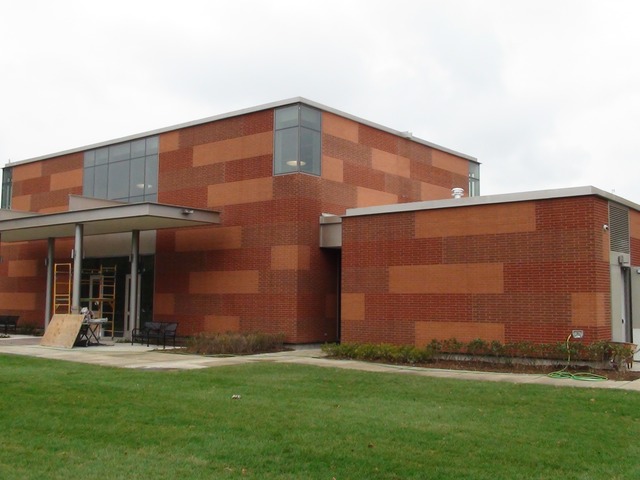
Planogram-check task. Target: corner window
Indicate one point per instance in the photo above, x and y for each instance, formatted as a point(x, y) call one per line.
point(474, 179)
point(126, 172)
point(7, 187)
point(297, 146)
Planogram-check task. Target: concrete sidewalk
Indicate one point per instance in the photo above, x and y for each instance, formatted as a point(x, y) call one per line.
point(125, 355)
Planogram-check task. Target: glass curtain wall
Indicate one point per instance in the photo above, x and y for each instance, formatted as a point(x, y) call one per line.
point(297, 140)
point(126, 171)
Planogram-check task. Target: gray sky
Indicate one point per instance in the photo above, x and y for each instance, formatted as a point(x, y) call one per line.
point(545, 94)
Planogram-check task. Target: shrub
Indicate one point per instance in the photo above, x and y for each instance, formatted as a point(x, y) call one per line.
point(598, 351)
point(452, 346)
point(478, 347)
point(235, 343)
point(384, 352)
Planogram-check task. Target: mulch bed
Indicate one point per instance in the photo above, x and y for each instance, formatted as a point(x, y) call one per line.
point(620, 375)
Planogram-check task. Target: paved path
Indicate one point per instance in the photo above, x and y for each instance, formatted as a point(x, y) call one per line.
point(125, 355)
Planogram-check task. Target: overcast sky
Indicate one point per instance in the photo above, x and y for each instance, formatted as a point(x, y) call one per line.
point(545, 94)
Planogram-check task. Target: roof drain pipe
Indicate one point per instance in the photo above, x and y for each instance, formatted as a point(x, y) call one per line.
point(457, 192)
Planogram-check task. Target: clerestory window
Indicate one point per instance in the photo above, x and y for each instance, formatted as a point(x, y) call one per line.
point(7, 187)
point(297, 140)
point(474, 179)
point(125, 171)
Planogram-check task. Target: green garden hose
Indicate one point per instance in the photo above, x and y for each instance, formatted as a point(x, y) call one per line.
point(584, 376)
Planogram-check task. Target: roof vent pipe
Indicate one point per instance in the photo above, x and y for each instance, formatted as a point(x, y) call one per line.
point(457, 192)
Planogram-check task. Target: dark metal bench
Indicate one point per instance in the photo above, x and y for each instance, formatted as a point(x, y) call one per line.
point(9, 321)
point(160, 331)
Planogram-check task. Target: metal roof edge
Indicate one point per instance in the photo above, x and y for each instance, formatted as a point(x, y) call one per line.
point(378, 126)
point(236, 113)
point(491, 199)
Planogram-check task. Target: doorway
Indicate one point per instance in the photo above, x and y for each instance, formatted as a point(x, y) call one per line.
point(105, 290)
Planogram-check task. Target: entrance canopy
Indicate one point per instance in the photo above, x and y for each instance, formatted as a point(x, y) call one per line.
point(112, 218)
point(90, 216)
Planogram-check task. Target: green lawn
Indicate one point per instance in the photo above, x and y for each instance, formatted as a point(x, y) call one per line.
point(66, 421)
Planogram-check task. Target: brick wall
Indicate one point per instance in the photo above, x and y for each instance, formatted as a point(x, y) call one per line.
point(261, 269)
point(530, 271)
point(45, 186)
point(42, 187)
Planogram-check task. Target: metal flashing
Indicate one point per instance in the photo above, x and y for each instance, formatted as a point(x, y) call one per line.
point(491, 199)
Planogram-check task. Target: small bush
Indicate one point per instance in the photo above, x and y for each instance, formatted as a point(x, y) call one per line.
point(478, 347)
point(235, 343)
point(407, 354)
point(384, 352)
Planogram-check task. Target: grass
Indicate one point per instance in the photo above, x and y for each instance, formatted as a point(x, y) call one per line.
point(66, 421)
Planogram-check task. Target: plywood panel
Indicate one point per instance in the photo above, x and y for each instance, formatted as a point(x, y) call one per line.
point(62, 331)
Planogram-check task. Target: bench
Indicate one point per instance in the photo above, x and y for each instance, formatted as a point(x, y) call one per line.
point(160, 331)
point(9, 321)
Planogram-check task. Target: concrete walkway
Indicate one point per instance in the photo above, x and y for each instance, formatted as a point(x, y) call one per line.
point(125, 355)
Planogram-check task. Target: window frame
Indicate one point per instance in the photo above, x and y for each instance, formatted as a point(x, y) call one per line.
point(7, 188)
point(303, 130)
point(100, 164)
point(474, 179)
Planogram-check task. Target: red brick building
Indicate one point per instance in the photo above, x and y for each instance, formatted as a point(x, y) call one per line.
point(293, 217)
point(523, 267)
point(269, 172)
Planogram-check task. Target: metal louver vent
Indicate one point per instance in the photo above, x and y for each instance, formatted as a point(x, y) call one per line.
point(619, 228)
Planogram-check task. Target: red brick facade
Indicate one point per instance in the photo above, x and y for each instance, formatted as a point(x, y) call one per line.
point(509, 272)
point(262, 268)
point(506, 270)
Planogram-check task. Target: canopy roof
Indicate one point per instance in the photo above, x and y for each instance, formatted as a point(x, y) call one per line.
point(108, 217)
